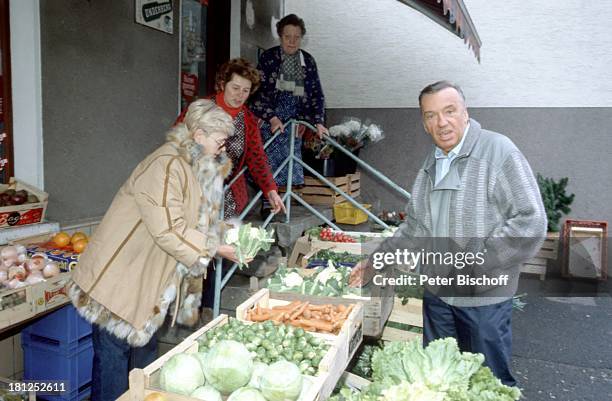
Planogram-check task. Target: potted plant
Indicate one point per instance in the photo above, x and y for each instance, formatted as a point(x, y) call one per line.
point(556, 201)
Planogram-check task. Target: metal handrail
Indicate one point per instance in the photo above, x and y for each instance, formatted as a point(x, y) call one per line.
point(220, 280)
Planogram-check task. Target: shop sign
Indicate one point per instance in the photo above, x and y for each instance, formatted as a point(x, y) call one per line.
point(156, 14)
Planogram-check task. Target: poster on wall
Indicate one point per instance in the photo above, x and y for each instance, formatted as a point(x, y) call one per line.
point(156, 14)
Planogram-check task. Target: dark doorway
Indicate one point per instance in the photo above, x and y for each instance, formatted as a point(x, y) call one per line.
point(217, 39)
point(6, 112)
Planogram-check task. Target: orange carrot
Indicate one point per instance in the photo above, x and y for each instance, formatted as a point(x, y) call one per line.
point(317, 324)
point(299, 311)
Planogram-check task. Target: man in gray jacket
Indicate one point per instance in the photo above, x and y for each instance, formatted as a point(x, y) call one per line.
point(475, 194)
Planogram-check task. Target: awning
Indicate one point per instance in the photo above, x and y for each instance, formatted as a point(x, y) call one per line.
point(452, 15)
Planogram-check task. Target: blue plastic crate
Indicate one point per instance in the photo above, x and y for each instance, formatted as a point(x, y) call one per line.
point(44, 361)
point(84, 393)
point(64, 328)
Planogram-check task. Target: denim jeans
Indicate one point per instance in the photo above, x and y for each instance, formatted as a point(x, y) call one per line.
point(112, 362)
point(485, 329)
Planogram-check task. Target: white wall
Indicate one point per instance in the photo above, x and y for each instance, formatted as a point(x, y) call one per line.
point(535, 53)
point(26, 91)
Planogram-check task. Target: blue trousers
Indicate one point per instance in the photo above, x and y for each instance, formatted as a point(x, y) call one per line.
point(113, 360)
point(484, 329)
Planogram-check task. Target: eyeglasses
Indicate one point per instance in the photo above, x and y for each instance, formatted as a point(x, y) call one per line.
point(221, 142)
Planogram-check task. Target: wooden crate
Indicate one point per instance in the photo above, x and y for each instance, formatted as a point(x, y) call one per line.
point(145, 381)
point(548, 251)
point(315, 192)
point(375, 308)
point(21, 304)
point(347, 340)
point(27, 213)
point(409, 314)
point(356, 248)
point(302, 247)
point(353, 381)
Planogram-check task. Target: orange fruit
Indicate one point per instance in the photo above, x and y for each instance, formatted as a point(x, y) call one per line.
point(79, 246)
point(77, 236)
point(61, 239)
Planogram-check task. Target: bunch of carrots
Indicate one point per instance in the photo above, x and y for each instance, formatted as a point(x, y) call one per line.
point(326, 318)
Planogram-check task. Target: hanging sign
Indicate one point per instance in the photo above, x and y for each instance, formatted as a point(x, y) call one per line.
point(189, 86)
point(156, 14)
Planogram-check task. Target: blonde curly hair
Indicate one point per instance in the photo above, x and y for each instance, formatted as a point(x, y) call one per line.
point(203, 114)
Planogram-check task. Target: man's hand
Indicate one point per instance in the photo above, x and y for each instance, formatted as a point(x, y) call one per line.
point(361, 274)
point(276, 123)
point(229, 252)
point(276, 202)
point(321, 130)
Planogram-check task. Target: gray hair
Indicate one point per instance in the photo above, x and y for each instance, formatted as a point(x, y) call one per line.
point(203, 114)
point(437, 87)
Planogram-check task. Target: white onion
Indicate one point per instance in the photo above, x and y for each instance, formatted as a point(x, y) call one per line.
point(9, 255)
point(51, 270)
point(18, 272)
point(3, 276)
point(14, 283)
point(34, 278)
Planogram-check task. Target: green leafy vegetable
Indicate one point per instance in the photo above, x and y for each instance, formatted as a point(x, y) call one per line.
point(440, 372)
point(328, 281)
point(249, 241)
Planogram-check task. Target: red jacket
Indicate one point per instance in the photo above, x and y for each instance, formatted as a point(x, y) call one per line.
point(254, 156)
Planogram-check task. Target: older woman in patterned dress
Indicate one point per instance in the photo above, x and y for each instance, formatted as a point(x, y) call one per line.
point(290, 88)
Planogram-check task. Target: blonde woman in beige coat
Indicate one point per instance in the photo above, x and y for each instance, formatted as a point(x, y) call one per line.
point(162, 228)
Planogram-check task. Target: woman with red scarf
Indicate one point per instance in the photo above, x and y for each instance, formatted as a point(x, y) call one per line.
point(236, 80)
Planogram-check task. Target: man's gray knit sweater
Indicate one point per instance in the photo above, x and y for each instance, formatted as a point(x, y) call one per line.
point(496, 205)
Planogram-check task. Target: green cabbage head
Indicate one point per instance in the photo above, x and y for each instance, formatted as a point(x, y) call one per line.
point(228, 365)
point(206, 393)
point(181, 374)
point(281, 381)
point(258, 369)
point(246, 394)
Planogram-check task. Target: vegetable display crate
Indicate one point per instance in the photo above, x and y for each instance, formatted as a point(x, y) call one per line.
point(27, 213)
point(410, 314)
point(146, 381)
point(315, 192)
point(346, 213)
point(354, 381)
point(65, 258)
point(549, 250)
point(347, 341)
point(21, 304)
point(376, 307)
point(48, 361)
point(367, 243)
point(64, 328)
